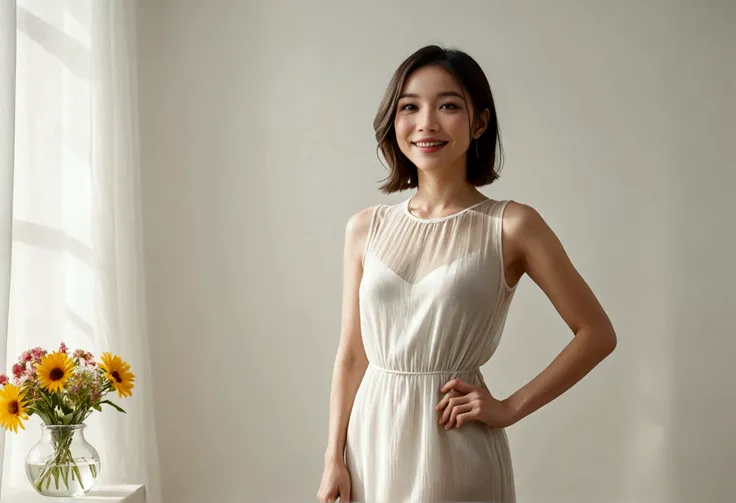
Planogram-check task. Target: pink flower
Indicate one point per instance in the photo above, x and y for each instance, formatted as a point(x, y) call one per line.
point(18, 370)
point(26, 356)
point(62, 348)
point(3, 379)
point(84, 357)
point(37, 353)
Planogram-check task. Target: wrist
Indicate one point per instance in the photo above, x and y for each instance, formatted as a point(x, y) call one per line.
point(514, 409)
point(334, 457)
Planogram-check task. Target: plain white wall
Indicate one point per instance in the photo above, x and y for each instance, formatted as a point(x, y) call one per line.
point(618, 123)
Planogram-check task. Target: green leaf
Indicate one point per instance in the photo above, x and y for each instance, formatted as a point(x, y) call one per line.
point(113, 405)
point(79, 475)
point(47, 400)
point(44, 416)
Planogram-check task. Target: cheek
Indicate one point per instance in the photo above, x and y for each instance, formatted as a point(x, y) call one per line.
point(457, 125)
point(403, 128)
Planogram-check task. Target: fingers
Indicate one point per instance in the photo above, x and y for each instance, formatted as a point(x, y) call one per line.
point(332, 498)
point(344, 493)
point(458, 385)
point(446, 399)
point(453, 403)
point(464, 418)
point(456, 412)
point(335, 485)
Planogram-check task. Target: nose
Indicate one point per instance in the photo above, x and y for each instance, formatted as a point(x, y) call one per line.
point(428, 120)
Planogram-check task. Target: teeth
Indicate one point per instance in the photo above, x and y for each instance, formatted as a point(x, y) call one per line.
point(429, 144)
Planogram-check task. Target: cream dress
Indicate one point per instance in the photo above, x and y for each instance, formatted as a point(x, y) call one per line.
point(433, 303)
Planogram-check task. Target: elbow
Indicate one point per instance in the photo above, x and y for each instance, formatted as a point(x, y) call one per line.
point(352, 360)
point(607, 341)
point(601, 340)
point(612, 343)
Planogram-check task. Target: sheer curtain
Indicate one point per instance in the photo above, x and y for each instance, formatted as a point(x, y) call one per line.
point(71, 264)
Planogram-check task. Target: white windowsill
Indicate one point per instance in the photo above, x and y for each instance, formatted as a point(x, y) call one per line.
point(102, 494)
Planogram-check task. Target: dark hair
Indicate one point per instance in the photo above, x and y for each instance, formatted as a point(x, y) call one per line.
point(403, 173)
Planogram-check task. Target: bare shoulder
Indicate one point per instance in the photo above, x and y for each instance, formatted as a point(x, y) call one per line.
point(359, 222)
point(523, 230)
point(521, 220)
point(356, 231)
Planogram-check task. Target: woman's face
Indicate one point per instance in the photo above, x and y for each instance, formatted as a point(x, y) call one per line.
point(432, 122)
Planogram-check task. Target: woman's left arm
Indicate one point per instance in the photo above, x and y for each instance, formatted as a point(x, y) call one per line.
point(536, 251)
point(532, 248)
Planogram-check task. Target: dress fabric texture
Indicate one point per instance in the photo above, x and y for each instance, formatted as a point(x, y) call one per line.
point(433, 304)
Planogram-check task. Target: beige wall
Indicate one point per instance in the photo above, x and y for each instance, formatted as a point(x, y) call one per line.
point(618, 121)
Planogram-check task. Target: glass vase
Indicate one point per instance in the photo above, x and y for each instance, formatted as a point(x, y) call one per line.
point(62, 463)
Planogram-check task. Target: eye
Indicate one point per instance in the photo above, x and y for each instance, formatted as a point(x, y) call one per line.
point(409, 107)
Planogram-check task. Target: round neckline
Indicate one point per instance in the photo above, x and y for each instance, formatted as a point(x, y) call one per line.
point(440, 219)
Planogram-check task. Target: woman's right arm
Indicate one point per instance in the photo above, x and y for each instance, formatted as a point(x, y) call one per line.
point(350, 361)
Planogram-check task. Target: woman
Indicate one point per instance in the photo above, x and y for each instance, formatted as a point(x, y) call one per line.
point(427, 286)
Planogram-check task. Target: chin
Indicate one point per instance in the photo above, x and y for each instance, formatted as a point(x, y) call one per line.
point(429, 165)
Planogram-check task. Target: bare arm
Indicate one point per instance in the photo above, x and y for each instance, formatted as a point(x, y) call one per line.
point(350, 362)
point(531, 247)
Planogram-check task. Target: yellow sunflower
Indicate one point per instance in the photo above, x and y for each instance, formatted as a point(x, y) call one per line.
point(54, 370)
point(119, 374)
point(12, 408)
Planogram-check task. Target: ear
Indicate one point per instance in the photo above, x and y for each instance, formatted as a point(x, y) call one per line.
point(481, 123)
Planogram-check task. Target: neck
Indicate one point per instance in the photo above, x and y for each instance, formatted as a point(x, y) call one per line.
point(444, 188)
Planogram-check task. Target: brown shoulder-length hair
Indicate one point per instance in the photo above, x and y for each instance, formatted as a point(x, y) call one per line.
point(481, 167)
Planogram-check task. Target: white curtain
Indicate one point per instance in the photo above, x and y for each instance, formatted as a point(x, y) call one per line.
point(71, 265)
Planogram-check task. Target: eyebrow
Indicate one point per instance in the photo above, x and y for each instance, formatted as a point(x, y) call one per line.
point(442, 94)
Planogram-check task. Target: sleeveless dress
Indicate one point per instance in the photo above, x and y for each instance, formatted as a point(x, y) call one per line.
point(433, 304)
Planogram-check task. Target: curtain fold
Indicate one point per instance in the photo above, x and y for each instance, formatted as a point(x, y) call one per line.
point(77, 243)
point(7, 142)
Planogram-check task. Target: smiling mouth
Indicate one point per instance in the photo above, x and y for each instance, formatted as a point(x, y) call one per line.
point(429, 144)
point(429, 147)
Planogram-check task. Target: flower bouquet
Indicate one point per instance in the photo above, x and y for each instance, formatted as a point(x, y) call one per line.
point(62, 389)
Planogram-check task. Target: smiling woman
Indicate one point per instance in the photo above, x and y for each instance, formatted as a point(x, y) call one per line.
point(426, 87)
point(428, 284)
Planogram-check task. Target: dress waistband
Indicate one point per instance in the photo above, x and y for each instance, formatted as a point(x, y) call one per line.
point(428, 372)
